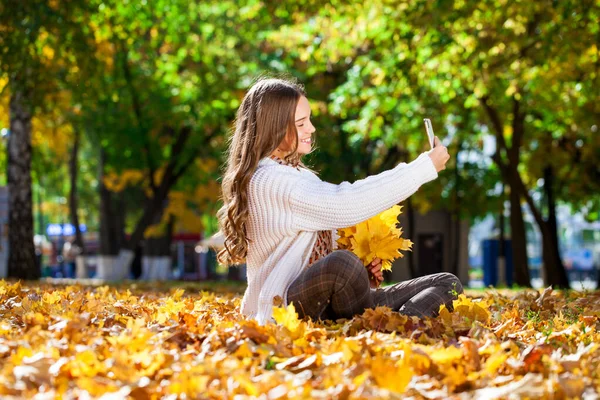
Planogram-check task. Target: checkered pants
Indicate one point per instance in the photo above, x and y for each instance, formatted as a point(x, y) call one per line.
point(337, 286)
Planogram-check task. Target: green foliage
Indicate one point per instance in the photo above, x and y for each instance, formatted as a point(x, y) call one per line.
point(393, 64)
point(134, 75)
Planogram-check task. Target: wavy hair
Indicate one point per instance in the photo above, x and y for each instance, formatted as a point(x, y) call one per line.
point(263, 122)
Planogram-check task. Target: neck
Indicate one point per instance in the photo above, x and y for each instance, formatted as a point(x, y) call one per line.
point(295, 161)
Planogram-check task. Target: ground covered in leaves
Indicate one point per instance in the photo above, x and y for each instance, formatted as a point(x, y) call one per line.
point(144, 343)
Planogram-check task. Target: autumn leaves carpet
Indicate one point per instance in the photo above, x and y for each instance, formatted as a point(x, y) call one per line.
point(82, 342)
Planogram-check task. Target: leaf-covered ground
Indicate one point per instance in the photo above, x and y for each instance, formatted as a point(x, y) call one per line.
point(143, 343)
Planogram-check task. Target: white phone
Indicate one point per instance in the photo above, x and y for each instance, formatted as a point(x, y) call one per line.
point(429, 130)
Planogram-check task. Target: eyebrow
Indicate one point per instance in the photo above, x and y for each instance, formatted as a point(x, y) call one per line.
point(300, 119)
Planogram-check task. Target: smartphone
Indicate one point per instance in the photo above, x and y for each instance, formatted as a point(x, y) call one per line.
point(429, 130)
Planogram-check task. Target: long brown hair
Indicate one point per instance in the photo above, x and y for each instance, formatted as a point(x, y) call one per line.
point(265, 118)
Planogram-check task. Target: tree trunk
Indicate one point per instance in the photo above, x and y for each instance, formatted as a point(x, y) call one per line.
point(73, 196)
point(156, 203)
point(556, 274)
point(21, 259)
point(109, 245)
point(511, 177)
point(518, 239)
point(112, 231)
point(501, 242)
point(156, 259)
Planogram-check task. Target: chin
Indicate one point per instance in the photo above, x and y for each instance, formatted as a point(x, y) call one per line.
point(304, 149)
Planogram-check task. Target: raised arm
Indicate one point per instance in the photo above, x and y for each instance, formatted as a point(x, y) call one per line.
point(319, 205)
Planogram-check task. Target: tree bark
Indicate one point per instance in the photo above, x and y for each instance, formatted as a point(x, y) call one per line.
point(73, 195)
point(518, 239)
point(555, 269)
point(111, 229)
point(156, 259)
point(553, 266)
point(160, 245)
point(21, 259)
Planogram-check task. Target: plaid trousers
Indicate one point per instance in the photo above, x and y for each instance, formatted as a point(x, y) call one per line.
point(337, 286)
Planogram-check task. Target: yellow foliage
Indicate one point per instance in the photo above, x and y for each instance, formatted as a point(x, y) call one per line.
point(468, 309)
point(185, 209)
point(151, 342)
point(390, 374)
point(446, 355)
point(118, 182)
point(54, 208)
point(4, 103)
point(51, 129)
point(377, 237)
point(288, 317)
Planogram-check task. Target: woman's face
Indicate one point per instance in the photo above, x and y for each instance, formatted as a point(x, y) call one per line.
point(304, 127)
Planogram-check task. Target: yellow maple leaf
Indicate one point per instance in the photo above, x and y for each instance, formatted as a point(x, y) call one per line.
point(390, 217)
point(377, 237)
point(386, 265)
point(288, 317)
point(51, 298)
point(386, 248)
point(361, 243)
point(390, 374)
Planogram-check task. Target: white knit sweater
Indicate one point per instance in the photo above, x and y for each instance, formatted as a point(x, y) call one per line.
point(286, 209)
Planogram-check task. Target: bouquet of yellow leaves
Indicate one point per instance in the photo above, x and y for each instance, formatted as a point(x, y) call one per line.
point(377, 237)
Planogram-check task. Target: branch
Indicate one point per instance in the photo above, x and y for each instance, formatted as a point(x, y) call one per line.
point(170, 176)
point(503, 167)
point(192, 158)
point(525, 193)
point(497, 125)
point(518, 127)
point(185, 166)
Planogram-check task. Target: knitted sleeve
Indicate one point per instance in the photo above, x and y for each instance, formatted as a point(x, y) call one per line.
point(319, 205)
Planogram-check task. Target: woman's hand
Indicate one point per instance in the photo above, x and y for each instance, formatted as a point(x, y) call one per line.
point(439, 155)
point(376, 276)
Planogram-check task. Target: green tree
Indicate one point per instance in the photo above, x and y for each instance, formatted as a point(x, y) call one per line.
point(37, 42)
point(483, 68)
point(175, 74)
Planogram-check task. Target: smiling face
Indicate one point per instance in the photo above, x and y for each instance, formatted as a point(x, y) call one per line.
point(304, 127)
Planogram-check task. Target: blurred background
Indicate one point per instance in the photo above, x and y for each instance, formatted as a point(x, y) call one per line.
point(114, 118)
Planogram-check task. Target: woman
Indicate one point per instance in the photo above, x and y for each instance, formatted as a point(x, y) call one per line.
point(279, 217)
